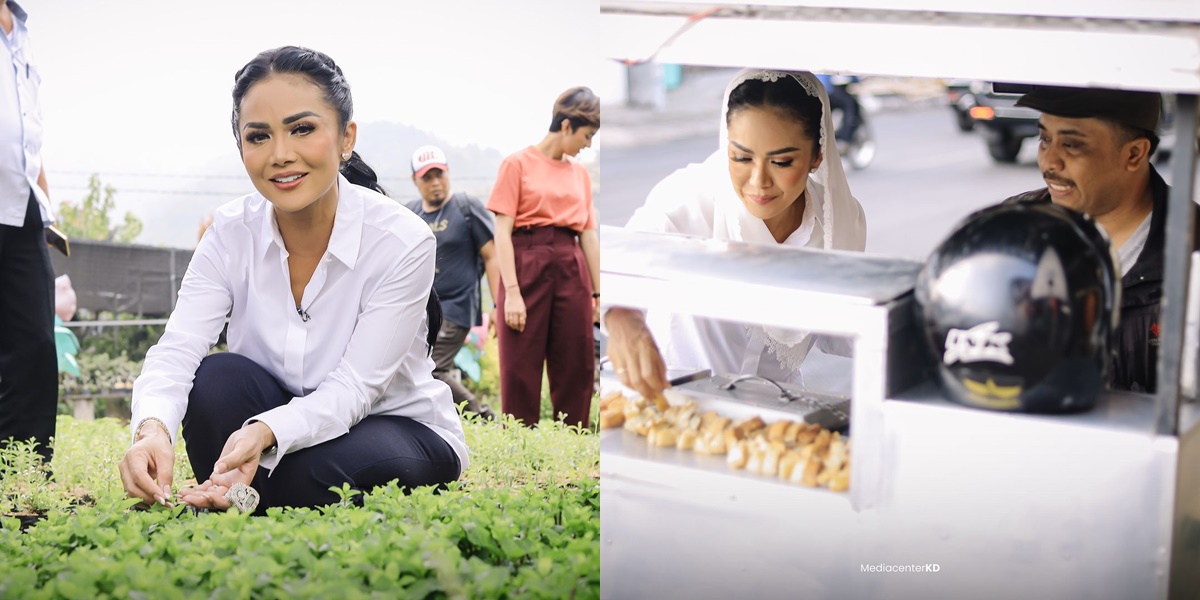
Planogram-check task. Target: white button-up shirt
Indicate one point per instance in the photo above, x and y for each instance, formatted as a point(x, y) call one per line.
point(20, 125)
point(361, 352)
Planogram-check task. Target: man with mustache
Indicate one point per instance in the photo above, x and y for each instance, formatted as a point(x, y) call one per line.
point(1094, 153)
point(465, 254)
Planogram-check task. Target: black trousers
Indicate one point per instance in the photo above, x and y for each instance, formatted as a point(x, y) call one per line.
point(450, 340)
point(28, 359)
point(230, 388)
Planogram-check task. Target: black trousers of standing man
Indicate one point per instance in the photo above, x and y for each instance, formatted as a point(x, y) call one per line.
point(28, 360)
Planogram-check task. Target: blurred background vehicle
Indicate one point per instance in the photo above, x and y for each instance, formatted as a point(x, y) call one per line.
point(960, 99)
point(1004, 125)
point(855, 140)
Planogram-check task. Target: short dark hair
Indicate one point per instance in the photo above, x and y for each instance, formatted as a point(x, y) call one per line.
point(325, 74)
point(579, 106)
point(1128, 133)
point(785, 95)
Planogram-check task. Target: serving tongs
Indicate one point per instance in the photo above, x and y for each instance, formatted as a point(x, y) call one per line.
point(833, 416)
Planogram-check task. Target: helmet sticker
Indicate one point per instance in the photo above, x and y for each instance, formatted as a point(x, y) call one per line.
point(981, 342)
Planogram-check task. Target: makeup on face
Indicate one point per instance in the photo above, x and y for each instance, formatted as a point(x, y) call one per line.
point(770, 157)
point(291, 142)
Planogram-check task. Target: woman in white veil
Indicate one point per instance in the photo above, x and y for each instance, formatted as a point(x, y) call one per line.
point(775, 178)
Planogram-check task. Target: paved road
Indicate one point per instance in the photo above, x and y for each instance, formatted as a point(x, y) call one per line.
point(925, 178)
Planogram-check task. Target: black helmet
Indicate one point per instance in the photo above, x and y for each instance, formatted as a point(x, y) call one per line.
point(1018, 307)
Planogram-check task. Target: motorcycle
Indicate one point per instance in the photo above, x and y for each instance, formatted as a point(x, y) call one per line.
point(857, 145)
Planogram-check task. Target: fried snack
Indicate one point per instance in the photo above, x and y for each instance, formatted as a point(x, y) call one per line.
point(770, 453)
point(754, 460)
point(680, 415)
point(797, 474)
point(660, 402)
point(840, 482)
point(711, 442)
point(812, 468)
point(821, 443)
point(824, 476)
point(633, 421)
point(687, 439)
point(777, 430)
point(641, 423)
point(663, 435)
point(611, 419)
point(807, 434)
point(795, 451)
point(787, 463)
point(633, 407)
point(749, 426)
point(718, 424)
point(608, 401)
point(732, 436)
point(738, 455)
point(793, 431)
point(836, 456)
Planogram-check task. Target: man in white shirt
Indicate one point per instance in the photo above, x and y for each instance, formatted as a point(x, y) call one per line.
point(28, 362)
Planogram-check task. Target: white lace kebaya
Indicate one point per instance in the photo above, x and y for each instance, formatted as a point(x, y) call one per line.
point(700, 200)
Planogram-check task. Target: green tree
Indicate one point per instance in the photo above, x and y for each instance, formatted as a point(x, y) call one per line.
point(89, 219)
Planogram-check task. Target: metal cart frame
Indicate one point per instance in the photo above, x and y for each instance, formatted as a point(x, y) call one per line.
point(1105, 504)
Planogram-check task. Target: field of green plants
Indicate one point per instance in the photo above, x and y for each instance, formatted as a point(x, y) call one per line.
point(522, 523)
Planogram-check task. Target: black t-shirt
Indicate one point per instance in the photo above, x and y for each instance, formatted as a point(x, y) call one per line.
point(462, 226)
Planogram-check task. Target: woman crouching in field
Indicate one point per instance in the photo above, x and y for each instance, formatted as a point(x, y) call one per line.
point(326, 283)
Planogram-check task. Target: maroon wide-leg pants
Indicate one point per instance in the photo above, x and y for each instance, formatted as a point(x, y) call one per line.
point(557, 290)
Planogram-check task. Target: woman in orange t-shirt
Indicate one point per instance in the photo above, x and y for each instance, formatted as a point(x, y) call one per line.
point(550, 267)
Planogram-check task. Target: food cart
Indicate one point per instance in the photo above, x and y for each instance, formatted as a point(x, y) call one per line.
point(944, 500)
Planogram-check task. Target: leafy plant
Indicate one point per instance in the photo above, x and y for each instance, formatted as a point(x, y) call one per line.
point(26, 487)
point(522, 523)
point(88, 219)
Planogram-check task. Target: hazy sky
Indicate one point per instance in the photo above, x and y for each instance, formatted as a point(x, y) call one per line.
point(139, 90)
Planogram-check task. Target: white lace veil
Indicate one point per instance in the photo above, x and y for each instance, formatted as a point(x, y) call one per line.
point(837, 212)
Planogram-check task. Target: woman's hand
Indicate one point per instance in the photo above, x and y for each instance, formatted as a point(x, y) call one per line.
point(148, 465)
point(633, 353)
point(514, 309)
point(237, 464)
point(596, 311)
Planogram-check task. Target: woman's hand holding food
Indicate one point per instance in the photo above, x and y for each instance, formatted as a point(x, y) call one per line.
point(634, 355)
point(237, 464)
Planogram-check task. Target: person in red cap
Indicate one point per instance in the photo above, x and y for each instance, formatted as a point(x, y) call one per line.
point(550, 267)
point(465, 253)
point(1094, 153)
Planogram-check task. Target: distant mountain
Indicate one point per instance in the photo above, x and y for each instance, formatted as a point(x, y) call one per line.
point(172, 216)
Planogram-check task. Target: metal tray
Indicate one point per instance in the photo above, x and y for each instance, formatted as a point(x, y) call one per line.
point(747, 396)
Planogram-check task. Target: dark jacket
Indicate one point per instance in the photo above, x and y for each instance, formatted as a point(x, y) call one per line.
point(1135, 366)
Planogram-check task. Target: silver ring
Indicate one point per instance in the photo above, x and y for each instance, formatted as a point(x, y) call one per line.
point(620, 371)
point(242, 497)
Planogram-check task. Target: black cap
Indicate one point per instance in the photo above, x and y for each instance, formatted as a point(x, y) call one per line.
point(1135, 109)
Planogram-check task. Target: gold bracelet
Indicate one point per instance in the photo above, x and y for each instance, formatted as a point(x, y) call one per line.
point(143, 422)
